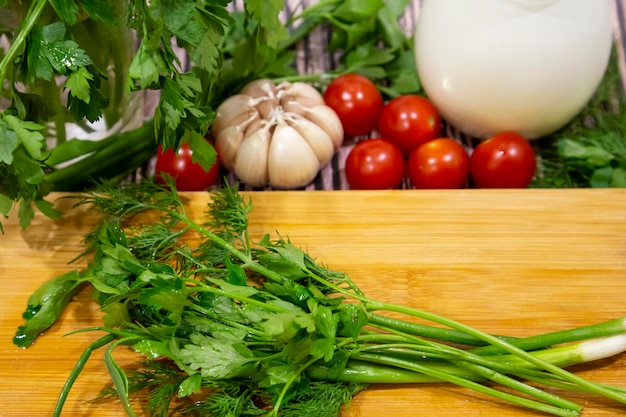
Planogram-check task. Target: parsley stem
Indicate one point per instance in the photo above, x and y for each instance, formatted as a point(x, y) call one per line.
point(316, 78)
point(34, 12)
point(53, 93)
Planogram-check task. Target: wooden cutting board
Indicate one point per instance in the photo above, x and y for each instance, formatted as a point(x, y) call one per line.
point(507, 262)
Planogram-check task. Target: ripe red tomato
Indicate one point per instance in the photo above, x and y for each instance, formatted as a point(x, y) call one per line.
point(439, 163)
point(506, 160)
point(375, 164)
point(409, 121)
point(188, 176)
point(357, 102)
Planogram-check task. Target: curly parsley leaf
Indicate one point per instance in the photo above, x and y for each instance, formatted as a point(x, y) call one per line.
point(368, 39)
point(269, 30)
point(84, 98)
point(198, 29)
point(177, 109)
point(21, 168)
point(51, 51)
point(215, 358)
point(146, 68)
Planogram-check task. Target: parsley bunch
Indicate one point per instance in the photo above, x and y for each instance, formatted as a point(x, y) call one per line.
point(262, 328)
point(67, 61)
point(365, 37)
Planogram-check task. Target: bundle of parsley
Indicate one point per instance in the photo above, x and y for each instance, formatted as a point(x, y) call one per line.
point(56, 70)
point(228, 326)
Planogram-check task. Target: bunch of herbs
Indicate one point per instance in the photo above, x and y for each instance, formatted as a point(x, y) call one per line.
point(263, 328)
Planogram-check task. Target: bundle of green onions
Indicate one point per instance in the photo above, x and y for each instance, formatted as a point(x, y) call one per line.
point(261, 328)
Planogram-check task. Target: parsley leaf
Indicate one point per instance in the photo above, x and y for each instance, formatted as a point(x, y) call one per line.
point(27, 133)
point(79, 83)
point(215, 358)
point(51, 51)
point(269, 30)
point(87, 102)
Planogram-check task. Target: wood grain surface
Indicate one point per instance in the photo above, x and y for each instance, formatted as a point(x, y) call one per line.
point(508, 262)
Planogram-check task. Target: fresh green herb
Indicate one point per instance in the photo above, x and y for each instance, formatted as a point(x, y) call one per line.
point(366, 38)
point(261, 328)
point(77, 42)
point(369, 40)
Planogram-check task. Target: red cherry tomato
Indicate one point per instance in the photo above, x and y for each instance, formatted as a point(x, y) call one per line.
point(375, 164)
point(357, 102)
point(409, 121)
point(439, 163)
point(188, 176)
point(506, 160)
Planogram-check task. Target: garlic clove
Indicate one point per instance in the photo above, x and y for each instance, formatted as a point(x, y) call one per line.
point(230, 137)
point(251, 161)
point(291, 161)
point(301, 92)
point(263, 93)
point(260, 88)
point(294, 107)
point(234, 110)
point(317, 138)
point(255, 125)
point(227, 145)
point(267, 106)
point(327, 119)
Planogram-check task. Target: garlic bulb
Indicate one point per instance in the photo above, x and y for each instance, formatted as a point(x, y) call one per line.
point(276, 135)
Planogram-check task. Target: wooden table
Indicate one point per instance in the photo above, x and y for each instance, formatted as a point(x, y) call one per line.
point(508, 262)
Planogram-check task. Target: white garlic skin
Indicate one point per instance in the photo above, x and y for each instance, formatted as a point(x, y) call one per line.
point(320, 142)
point(285, 171)
point(233, 111)
point(251, 161)
point(277, 136)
